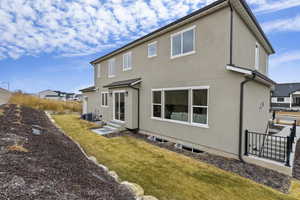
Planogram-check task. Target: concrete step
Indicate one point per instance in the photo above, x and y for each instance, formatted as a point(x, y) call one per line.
point(117, 125)
point(103, 131)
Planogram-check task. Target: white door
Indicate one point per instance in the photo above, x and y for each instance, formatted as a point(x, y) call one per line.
point(119, 106)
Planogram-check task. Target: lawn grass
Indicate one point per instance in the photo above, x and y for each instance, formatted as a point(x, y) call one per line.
point(45, 104)
point(162, 173)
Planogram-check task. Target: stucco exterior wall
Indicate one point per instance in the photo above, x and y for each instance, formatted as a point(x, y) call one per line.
point(244, 43)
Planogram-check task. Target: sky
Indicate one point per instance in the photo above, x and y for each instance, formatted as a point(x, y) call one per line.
point(48, 44)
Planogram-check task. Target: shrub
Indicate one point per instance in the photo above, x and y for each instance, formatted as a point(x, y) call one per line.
point(45, 104)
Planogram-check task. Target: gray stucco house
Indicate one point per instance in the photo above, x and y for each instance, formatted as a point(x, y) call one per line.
point(200, 81)
point(286, 96)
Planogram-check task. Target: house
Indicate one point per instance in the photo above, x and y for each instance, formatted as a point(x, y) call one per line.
point(56, 95)
point(286, 96)
point(4, 96)
point(200, 81)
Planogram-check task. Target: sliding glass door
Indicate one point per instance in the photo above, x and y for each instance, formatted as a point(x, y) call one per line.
point(119, 106)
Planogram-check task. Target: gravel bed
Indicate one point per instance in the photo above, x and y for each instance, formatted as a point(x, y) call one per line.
point(256, 173)
point(44, 164)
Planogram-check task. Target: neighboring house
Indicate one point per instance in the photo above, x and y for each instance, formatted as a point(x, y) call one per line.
point(286, 96)
point(56, 95)
point(200, 81)
point(4, 96)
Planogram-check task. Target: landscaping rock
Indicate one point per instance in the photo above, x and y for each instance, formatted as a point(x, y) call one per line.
point(148, 197)
point(115, 176)
point(136, 190)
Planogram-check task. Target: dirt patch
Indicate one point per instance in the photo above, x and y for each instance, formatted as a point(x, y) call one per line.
point(256, 173)
point(48, 165)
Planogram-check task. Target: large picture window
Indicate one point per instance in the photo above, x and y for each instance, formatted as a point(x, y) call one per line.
point(177, 105)
point(188, 105)
point(183, 43)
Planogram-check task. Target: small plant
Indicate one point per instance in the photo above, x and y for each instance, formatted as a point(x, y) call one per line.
point(17, 148)
point(1, 112)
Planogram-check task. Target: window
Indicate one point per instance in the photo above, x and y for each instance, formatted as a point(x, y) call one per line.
point(98, 70)
point(156, 104)
point(187, 105)
point(111, 68)
point(127, 61)
point(177, 105)
point(152, 49)
point(104, 99)
point(256, 56)
point(199, 106)
point(183, 43)
point(280, 99)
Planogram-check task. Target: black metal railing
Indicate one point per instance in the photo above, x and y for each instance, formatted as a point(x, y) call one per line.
point(277, 148)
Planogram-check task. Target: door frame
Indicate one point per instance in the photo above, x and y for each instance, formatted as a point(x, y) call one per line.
point(114, 102)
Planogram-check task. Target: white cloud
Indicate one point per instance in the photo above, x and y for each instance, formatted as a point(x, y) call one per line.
point(281, 25)
point(81, 27)
point(267, 6)
point(285, 58)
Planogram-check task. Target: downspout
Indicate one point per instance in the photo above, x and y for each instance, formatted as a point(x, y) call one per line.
point(242, 115)
point(138, 110)
point(231, 34)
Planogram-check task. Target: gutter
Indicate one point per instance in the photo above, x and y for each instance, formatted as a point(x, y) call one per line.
point(242, 114)
point(138, 114)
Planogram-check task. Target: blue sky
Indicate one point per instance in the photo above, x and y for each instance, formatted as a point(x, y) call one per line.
point(47, 44)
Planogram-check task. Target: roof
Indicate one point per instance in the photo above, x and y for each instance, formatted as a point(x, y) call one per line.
point(88, 89)
point(246, 71)
point(285, 89)
point(125, 83)
point(186, 18)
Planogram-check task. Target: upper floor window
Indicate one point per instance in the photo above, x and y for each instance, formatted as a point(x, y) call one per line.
point(183, 42)
point(127, 61)
point(111, 68)
point(98, 70)
point(256, 56)
point(152, 49)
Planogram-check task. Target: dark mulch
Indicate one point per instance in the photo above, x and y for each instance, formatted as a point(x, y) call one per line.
point(296, 169)
point(54, 167)
point(256, 173)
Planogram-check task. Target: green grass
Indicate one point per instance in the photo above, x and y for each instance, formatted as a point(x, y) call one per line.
point(162, 173)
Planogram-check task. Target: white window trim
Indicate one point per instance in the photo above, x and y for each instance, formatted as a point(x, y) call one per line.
point(152, 104)
point(257, 56)
point(106, 94)
point(190, 122)
point(192, 106)
point(180, 33)
point(129, 67)
point(98, 70)
point(152, 43)
point(113, 75)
